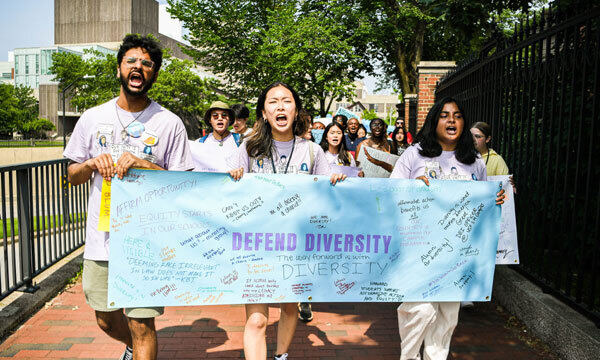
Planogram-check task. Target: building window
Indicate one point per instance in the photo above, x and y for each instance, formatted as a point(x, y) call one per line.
point(371, 106)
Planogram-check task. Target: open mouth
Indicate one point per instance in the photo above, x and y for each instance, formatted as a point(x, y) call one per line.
point(451, 130)
point(136, 80)
point(281, 120)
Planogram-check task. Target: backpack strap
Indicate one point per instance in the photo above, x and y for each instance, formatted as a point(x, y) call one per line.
point(203, 139)
point(237, 138)
point(311, 153)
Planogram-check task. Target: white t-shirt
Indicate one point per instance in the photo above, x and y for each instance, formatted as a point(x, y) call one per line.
point(334, 159)
point(212, 154)
point(99, 131)
point(299, 163)
point(444, 167)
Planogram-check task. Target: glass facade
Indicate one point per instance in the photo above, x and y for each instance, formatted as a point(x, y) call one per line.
point(32, 65)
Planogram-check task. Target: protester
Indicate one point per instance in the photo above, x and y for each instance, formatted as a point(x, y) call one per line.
point(378, 141)
point(335, 148)
point(342, 120)
point(444, 151)
point(306, 117)
point(482, 135)
point(139, 133)
point(317, 125)
point(210, 152)
point(276, 147)
point(399, 142)
point(241, 116)
point(361, 132)
point(351, 139)
point(402, 124)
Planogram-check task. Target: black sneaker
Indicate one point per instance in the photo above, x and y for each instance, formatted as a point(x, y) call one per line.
point(128, 354)
point(305, 312)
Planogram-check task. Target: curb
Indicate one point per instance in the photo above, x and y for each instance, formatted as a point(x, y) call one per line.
point(14, 314)
point(568, 333)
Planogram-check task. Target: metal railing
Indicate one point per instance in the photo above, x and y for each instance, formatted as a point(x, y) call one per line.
point(43, 220)
point(538, 91)
point(30, 143)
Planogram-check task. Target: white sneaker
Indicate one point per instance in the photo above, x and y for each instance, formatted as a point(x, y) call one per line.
point(281, 357)
point(128, 354)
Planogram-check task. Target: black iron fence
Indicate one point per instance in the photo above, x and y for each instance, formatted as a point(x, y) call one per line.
point(43, 220)
point(538, 91)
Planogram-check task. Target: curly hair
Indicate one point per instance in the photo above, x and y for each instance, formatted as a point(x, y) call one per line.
point(147, 42)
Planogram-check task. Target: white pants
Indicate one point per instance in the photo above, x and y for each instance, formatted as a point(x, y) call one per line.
point(428, 322)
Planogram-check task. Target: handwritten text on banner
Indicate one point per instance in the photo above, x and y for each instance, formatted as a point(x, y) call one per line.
point(188, 238)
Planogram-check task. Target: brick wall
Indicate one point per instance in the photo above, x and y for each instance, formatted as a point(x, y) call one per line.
point(430, 72)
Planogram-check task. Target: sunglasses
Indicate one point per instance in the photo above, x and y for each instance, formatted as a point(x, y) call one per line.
point(130, 61)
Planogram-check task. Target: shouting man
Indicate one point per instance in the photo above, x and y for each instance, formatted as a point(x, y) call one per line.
point(129, 131)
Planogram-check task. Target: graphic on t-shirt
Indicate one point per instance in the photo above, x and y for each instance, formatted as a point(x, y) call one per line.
point(135, 129)
point(102, 140)
point(149, 138)
point(303, 167)
point(433, 170)
point(148, 150)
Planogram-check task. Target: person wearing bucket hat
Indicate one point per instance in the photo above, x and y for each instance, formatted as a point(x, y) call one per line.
point(211, 151)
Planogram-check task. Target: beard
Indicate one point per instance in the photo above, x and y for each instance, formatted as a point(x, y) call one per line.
point(146, 85)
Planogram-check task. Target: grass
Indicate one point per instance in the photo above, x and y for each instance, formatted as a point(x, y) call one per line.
point(30, 143)
point(49, 222)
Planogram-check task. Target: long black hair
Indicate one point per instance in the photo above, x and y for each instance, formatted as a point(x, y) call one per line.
point(260, 143)
point(427, 137)
point(343, 154)
point(395, 143)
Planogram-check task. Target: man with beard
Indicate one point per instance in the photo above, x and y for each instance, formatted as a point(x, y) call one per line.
point(210, 153)
point(139, 133)
point(351, 138)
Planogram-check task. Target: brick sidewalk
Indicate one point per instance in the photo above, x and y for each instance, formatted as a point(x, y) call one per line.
point(66, 329)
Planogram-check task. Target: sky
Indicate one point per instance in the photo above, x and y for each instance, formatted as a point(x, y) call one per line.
point(30, 23)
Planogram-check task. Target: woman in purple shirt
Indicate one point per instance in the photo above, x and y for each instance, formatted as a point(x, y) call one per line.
point(444, 150)
point(275, 146)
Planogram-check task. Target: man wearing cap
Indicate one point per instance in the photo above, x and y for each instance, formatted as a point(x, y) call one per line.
point(210, 152)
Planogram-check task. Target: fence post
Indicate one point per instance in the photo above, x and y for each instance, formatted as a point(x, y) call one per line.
point(25, 231)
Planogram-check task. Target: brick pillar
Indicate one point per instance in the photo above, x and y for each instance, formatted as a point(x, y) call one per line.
point(430, 72)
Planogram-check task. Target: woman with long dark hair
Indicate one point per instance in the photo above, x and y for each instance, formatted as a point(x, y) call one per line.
point(275, 146)
point(399, 141)
point(444, 150)
point(334, 147)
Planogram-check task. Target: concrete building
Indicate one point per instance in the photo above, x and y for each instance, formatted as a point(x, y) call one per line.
point(7, 72)
point(90, 24)
point(383, 105)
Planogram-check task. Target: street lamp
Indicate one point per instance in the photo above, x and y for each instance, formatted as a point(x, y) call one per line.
point(64, 117)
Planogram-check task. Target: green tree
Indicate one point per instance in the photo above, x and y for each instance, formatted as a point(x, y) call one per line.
point(405, 32)
point(36, 128)
point(178, 87)
point(19, 111)
point(310, 45)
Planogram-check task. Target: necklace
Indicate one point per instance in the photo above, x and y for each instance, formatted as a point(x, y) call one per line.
point(124, 133)
point(223, 138)
point(288, 162)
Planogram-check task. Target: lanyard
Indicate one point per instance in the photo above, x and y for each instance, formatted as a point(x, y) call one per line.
point(289, 159)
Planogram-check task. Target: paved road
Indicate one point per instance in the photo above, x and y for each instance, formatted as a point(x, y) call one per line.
point(66, 329)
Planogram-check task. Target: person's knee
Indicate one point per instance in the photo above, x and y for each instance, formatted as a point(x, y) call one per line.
point(141, 328)
point(256, 323)
point(107, 321)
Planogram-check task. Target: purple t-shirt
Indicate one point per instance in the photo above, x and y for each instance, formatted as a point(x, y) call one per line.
point(300, 162)
point(162, 140)
point(444, 167)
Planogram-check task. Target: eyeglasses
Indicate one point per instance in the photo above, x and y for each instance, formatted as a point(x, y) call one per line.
point(130, 61)
point(222, 115)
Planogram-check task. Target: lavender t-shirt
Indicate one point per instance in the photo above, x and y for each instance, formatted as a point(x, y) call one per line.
point(162, 141)
point(300, 162)
point(444, 167)
point(334, 159)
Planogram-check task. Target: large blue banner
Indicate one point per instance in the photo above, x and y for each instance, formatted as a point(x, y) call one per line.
point(188, 238)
